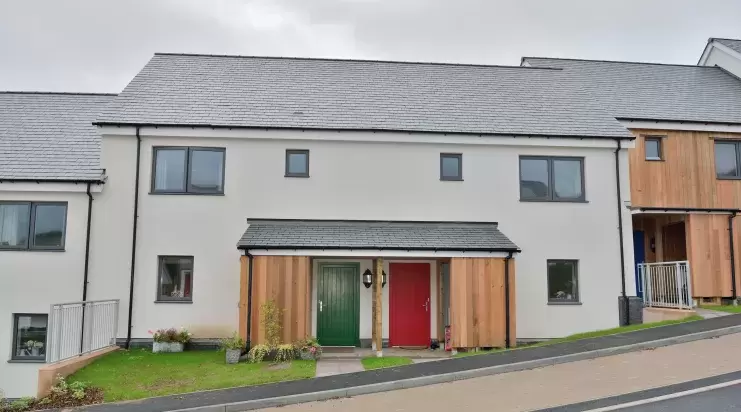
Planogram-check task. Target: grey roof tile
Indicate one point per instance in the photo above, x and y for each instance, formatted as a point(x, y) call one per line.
point(655, 91)
point(50, 136)
point(319, 234)
point(733, 44)
point(266, 92)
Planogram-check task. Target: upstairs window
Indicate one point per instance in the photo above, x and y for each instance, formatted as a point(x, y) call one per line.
point(552, 179)
point(653, 148)
point(727, 159)
point(451, 166)
point(32, 225)
point(297, 163)
point(192, 170)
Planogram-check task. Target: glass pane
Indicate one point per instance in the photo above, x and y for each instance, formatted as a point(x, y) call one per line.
point(653, 150)
point(48, 229)
point(176, 278)
point(567, 179)
point(30, 337)
point(534, 178)
point(562, 282)
point(206, 170)
point(14, 221)
point(298, 164)
point(169, 174)
point(725, 160)
point(451, 167)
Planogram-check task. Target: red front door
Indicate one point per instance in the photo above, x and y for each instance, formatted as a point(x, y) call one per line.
point(409, 304)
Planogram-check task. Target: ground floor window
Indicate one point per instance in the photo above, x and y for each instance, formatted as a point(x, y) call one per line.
point(175, 280)
point(29, 336)
point(563, 285)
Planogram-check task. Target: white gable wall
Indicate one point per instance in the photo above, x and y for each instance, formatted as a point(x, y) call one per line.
point(730, 61)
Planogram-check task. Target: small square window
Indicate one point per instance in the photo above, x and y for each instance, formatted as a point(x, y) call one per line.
point(297, 163)
point(563, 286)
point(29, 337)
point(451, 166)
point(653, 148)
point(727, 159)
point(175, 280)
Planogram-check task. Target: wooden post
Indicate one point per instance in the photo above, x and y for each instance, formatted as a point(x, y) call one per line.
point(378, 300)
point(243, 298)
point(373, 310)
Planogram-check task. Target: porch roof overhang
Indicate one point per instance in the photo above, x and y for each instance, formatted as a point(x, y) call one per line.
point(373, 238)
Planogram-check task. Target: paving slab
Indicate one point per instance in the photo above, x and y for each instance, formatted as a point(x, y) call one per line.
point(709, 313)
point(330, 367)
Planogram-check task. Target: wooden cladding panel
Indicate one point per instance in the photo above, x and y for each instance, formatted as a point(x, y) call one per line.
point(686, 175)
point(709, 254)
point(477, 304)
point(287, 281)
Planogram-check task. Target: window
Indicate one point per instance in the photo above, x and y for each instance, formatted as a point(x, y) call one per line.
point(196, 170)
point(653, 148)
point(30, 225)
point(557, 179)
point(727, 159)
point(29, 337)
point(175, 281)
point(451, 166)
point(297, 163)
point(563, 284)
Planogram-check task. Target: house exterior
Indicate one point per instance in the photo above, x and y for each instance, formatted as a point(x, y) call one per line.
point(49, 170)
point(724, 53)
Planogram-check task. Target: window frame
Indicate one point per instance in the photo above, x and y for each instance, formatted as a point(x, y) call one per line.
point(16, 358)
point(290, 152)
point(159, 298)
point(459, 177)
point(187, 186)
point(660, 142)
point(737, 148)
point(30, 240)
point(573, 301)
point(551, 197)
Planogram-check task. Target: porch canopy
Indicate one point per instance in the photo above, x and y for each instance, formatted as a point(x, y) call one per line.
point(277, 265)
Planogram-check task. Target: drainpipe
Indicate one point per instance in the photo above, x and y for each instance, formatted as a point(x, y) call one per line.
point(250, 258)
point(626, 304)
point(733, 258)
point(507, 338)
point(87, 263)
point(133, 237)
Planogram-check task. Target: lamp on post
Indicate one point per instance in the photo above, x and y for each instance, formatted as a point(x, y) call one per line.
point(383, 273)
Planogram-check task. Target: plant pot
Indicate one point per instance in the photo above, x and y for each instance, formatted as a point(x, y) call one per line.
point(158, 347)
point(232, 356)
point(306, 355)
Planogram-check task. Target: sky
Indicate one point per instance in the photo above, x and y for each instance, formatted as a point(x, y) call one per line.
point(100, 45)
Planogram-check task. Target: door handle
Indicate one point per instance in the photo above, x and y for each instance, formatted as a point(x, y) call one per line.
point(426, 305)
point(320, 306)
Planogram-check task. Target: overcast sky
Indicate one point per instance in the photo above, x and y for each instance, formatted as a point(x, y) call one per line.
point(99, 45)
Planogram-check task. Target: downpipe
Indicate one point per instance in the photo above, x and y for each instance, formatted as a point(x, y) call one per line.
point(626, 304)
point(133, 237)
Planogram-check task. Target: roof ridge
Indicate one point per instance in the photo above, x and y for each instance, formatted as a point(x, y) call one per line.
point(57, 93)
point(612, 61)
point(331, 59)
point(722, 38)
point(458, 222)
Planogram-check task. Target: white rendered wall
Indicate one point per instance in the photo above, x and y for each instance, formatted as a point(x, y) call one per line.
point(720, 58)
point(360, 180)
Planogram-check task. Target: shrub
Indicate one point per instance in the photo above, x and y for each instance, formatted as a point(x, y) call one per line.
point(285, 353)
point(233, 342)
point(257, 353)
point(310, 344)
point(271, 319)
point(62, 395)
point(171, 335)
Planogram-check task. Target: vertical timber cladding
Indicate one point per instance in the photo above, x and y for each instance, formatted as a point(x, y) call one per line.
point(287, 281)
point(477, 308)
point(709, 254)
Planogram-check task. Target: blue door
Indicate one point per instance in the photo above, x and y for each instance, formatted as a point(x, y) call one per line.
point(639, 254)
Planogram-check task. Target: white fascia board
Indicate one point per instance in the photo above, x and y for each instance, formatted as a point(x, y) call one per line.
point(675, 212)
point(700, 127)
point(371, 253)
point(10, 186)
point(705, 53)
point(361, 136)
point(722, 47)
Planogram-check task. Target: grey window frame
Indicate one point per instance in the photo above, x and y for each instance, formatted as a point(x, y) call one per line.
point(187, 187)
point(459, 177)
point(574, 301)
point(290, 152)
point(737, 147)
point(30, 246)
point(660, 141)
point(159, 298)
point(551, 197)
point(16, 358)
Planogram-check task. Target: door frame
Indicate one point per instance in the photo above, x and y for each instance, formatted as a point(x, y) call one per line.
point(355, 295)
point(428, 324)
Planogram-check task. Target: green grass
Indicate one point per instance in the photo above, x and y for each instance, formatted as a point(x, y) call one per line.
point(724, 308)
point(136, 374)
point(372, 362)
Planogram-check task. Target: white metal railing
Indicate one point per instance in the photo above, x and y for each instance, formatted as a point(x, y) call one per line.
point(78, 328)
point(666, 284)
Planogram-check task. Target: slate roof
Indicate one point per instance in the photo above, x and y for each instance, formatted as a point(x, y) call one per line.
point(733, 44)
point(335, 234)
point(50, 136)
point(655, 91)
point(273, 92)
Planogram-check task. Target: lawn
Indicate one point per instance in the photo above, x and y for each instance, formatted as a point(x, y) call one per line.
point(724, 308)
point(372, 362)
point(139, 373)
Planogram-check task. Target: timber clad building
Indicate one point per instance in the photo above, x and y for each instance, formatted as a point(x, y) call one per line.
point(376, 203)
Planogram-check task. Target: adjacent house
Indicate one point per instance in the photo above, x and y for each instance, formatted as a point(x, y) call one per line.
point(724, 53)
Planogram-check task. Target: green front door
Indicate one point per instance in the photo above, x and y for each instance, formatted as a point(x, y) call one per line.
point(338, 304)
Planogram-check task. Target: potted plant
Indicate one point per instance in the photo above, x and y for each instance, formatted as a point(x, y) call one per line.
point(233, 347)
point(31, 348)
point(169, 340)
point(309, 349)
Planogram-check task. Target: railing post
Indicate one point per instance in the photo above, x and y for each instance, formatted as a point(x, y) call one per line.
point(678, 279)
point(648, 290)
point(689, 286)
point(114, 335)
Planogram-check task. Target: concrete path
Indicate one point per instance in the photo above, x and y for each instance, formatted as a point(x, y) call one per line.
point(709, 314)
point(555, 385)
point(330, 367)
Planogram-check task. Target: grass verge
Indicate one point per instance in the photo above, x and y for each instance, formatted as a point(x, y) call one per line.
point(372, 362)
point(139, 373)
point(724, 308)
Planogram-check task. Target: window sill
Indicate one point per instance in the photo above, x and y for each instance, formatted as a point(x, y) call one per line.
point(27, 361)
point(446, 179)
point(728, 178)
point(174, 301)
point(564, 303)
point(304, 176)
point(30, 250)
point(654, 159)
point(187, 193)
point(552, 201)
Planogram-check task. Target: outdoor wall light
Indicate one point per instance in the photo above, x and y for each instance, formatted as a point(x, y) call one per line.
point(383, 274)
point(367, 278)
